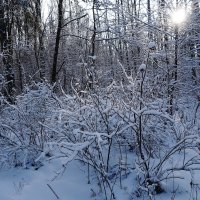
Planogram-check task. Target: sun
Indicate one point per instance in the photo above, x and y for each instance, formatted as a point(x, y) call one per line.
point(178, 16)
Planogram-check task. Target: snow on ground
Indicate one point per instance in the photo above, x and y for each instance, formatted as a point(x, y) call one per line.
point(30, 184)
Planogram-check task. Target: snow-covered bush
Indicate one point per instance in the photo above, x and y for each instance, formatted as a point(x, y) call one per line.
point(22, 130)
point(88, 130)
point(117, 132)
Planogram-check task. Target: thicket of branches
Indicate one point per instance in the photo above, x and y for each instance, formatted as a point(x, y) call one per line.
point(114, 133)
point(113, 84)
point(84, 41)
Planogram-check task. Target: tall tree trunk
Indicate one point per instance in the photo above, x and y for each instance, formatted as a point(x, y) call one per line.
point(91, 72)
point(38, 37)
point(150, 34)
point(195, 45)
point(56, 50)
point(6, 23)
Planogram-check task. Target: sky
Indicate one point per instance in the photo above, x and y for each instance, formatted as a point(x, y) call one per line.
point(45, 10)
point(177, 17)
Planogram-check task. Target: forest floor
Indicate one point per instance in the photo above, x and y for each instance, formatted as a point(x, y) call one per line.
point(31, 184)
point(43, 184)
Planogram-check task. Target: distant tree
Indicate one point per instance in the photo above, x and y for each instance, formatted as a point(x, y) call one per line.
point(6, 25)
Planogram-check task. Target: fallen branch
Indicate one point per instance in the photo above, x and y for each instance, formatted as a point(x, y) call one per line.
point(53, 191)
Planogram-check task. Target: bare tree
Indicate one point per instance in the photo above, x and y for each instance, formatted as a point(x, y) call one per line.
point(57, 44)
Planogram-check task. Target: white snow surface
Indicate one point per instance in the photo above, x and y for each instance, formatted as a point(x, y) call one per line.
point(30, 184)
point(152, 45)
point(142, 67)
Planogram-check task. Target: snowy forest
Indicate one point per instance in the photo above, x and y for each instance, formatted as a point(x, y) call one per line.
point(100, 99)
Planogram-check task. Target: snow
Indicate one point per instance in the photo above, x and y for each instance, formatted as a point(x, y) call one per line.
point(93, 57)
point(152, 45)
point(142, 67)
point(81, 64)
point(23, 184)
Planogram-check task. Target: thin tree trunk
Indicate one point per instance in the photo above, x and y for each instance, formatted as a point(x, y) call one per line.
point(56, 51)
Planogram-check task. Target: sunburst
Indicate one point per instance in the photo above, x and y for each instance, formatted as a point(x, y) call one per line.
point(179, 16)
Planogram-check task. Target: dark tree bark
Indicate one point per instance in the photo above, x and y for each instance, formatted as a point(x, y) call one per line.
point(6, 23)
point(56, 51)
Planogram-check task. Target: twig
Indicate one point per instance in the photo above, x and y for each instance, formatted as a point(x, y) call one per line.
point(53, 191)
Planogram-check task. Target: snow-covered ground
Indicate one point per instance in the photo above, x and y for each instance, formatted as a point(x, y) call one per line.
point(30, 184)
